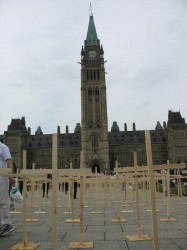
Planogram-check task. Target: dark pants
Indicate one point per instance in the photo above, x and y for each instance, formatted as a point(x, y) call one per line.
point(44, 184)
point(66, 187)
point(75, 190)
point(21, 186)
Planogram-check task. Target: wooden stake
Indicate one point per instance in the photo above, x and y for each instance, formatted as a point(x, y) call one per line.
point(119, 219)
point(24, 201)
point(24, 245)
point(163, 176)
point(169, 218)
point(39, 198)
point(31, 219)
point(96, 211)
point(139, 236)
point(21, 246)
point(82, 243)
point(71, 209)
point(54, 192)
point(180, 191)
point(126, 190)
point(152, 190)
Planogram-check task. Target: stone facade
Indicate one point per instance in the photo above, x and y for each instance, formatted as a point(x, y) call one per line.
point(168, 143)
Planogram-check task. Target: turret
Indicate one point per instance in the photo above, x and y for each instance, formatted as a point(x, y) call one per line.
point(134, 126)
point(125, 126)
point(67, 129)
point(58, 130)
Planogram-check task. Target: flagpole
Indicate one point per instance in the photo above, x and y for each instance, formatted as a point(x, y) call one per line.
point(90, 9)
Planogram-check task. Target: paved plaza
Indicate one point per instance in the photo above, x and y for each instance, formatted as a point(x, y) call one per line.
point(98, 225)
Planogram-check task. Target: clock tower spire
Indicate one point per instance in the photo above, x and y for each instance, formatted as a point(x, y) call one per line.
point(91, 38)
point(94, 121)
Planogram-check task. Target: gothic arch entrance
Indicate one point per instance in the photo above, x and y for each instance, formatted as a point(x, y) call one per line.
point(96, 167)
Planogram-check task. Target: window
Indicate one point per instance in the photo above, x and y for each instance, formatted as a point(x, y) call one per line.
point(95, 141)
point(91, 74)
point(94, 75)
point(98, 75)
point(97, 91)
point(179, 134)
point(87, 73)
point(131, 140)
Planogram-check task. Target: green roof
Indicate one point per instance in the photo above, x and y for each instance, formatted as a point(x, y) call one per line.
point(114, 127)
point(158, 125)
point(77, 128)
point(91, 38)
point(39, 131)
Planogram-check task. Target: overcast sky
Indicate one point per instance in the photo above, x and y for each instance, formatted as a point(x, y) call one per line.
point(145, 45)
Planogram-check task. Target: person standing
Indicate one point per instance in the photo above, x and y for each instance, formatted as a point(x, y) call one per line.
point(5, 182)
point(46, 187)
point(75, 189)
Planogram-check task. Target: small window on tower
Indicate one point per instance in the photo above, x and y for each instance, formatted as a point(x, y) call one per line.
point(98, 75)
point(94, 75)
point(97, 92)
point(95, 141)
point(91, 75)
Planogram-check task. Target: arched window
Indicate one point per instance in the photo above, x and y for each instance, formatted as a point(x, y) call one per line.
point(97, 91)
point(95, 141)
point(91, 75)
point(98, 75)
point(94, 75)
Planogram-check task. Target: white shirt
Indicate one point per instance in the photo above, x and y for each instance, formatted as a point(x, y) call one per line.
point(4, 155)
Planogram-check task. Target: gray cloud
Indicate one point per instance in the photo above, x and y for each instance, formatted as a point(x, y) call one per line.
point(145, 48)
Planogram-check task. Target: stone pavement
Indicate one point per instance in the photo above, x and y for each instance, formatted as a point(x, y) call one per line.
point(99, 228)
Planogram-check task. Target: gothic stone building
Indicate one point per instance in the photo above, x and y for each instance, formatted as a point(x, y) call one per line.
point(100, 148)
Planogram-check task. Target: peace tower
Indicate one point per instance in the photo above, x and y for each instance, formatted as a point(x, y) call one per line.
point(94, 121)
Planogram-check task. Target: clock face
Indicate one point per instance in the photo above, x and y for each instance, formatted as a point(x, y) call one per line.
point(92, 54)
